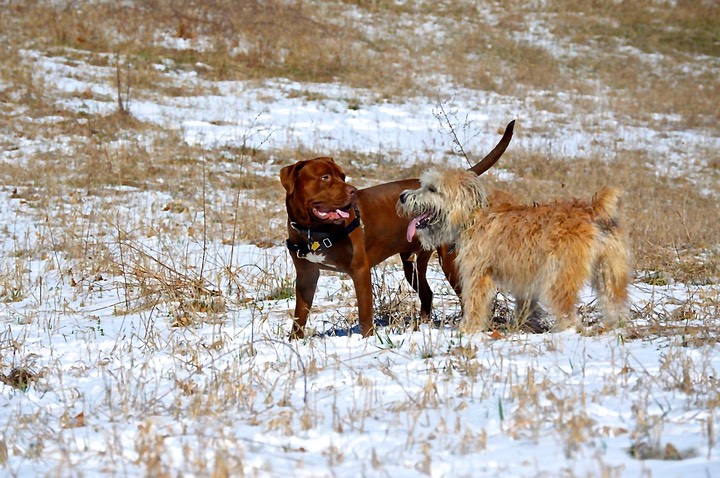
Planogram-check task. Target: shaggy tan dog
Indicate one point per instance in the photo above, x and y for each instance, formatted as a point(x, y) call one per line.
point(540, 253)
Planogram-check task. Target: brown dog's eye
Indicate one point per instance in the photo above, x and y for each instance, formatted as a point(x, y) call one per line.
point(325, 177)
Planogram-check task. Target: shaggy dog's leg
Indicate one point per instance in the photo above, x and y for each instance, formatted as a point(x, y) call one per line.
point(610, 279)
point(562, 296)
point(478, 293)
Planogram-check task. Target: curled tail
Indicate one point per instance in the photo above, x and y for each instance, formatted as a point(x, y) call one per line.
point(612, 271)
point(606, 207)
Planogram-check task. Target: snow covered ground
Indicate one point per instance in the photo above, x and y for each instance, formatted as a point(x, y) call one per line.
point(128, 382)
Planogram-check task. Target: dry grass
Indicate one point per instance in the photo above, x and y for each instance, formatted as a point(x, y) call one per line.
point(673, 226)
point(84, 176)
point(484, 48)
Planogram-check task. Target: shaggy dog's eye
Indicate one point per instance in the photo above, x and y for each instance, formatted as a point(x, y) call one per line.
point(432, 189)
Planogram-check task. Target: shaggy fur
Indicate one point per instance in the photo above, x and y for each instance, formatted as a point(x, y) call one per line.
point(540, 253)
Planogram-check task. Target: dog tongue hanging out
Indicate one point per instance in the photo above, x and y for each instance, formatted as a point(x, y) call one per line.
point(416, 223)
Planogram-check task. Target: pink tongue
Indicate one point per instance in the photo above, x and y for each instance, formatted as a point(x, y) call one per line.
point(333, 215)
point(412, 227)
point(337, 214)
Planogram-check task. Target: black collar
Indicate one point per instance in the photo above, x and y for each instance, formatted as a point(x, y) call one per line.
point(318, 240)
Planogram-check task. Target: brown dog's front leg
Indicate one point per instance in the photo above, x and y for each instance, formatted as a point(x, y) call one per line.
point(447, 263)
point(363, 290)
point(416, 275)
point(424, 290)
point(305, 286)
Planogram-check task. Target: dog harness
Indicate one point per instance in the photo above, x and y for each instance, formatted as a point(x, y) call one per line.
point(317, 240)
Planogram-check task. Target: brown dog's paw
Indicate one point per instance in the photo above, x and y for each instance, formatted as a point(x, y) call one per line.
point(296, 334)
point(369, 332)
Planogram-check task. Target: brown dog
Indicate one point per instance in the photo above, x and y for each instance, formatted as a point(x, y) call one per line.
point(540, 253)
point(334, 226)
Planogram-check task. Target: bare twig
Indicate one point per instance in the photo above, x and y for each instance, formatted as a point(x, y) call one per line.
point(443, 118)
point(123, 104)
point(204, 208)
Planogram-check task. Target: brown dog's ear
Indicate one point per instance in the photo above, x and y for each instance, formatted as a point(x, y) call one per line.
point(288, 175)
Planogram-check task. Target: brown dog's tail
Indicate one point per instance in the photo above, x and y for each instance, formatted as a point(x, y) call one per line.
point(606, 207)
point(492, 157)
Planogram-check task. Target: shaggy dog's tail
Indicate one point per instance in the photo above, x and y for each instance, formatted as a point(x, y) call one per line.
point(612, 272)
point(606, 207)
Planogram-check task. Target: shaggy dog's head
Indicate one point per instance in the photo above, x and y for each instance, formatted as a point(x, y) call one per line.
point(441, 206)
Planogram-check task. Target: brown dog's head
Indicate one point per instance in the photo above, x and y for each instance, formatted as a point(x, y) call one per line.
point(316, 192)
